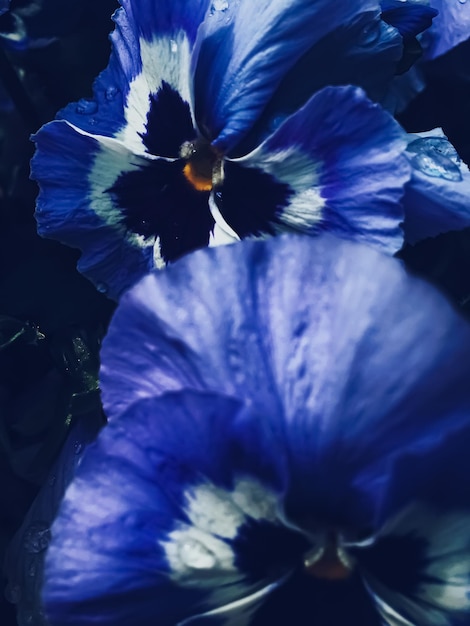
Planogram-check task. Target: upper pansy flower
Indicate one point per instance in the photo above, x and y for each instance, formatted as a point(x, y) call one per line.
point(317, 430)
point(194, 135)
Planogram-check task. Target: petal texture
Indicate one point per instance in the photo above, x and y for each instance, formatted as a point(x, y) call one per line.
point(290, 326)
point(427, 576)
point(337, 164)
point(126, 213)
point(241, 56)
point(151, 46)
point(75, 171)
point(158, 527)
point(451, 28)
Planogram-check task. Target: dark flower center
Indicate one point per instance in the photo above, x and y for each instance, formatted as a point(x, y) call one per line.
point(203, 168)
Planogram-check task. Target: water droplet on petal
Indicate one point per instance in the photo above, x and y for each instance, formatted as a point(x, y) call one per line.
point(13, 593)
point(462, 1)
point(37, 537)
point(173, 46)
point(86, 107)
point(77, 447)
point(196, 555)
point(111, 92)
point(436, 144)
point(102, 287)
point(436, 166)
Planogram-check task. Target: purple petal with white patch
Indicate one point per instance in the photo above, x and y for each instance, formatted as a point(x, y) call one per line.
point(241, 57)
point(437, 197)
point(127, 213)
point(160, 527)
point(75, 171)
point(151, 48)
point(427, 581)
point(335, 165)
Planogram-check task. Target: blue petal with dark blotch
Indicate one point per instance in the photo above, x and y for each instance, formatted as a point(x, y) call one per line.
point(71, 209)
point(155, 525)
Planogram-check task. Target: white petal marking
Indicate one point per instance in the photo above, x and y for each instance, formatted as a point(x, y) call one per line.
point(446, 593)
point(163, 59)
point(296, 169)
point(238, 613)
point(222, 233)
point(215, 514)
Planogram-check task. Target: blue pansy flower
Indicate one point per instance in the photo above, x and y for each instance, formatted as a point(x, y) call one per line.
point(288, 428)
point(202, 130)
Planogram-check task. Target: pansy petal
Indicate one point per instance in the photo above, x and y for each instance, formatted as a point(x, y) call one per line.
point(437, 197)
point(160, 528)
point(409, 18)
point(451, 28)
point(151, 50)
point(338, 164)
point(305, 601)
point(214, 343)
point(120, 209)
point(354, 387)
point(239, 613)
point(73, 207)
point(419, 567)
point(242, 55)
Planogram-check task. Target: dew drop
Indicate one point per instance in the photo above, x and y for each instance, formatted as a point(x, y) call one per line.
point(173, 46)
point(37, 537)
point(86, 107)
point(462, 1)
point(195, 555)
point(102, 287)
point(436, 165)
point(111, 92)
point(436, 144)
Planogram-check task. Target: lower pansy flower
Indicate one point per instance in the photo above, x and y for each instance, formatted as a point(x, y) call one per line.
point(291, 428)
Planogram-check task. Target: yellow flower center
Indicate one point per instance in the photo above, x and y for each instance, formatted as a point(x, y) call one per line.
point(203, 168)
